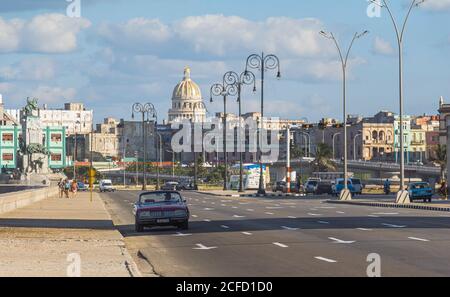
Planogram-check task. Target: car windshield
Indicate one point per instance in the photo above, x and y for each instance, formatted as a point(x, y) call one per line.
point(313, 183)
point(107, 184)
point(159, 197)
point(356, 181)
point(419, 186)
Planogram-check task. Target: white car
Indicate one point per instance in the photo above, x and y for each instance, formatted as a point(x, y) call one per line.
point(106, 185)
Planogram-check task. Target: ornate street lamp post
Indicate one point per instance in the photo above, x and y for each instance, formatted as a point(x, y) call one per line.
point(344, 60)
point(262, 63)
point(234, 79)
point(147, 111)
point(403, 195)
point(224, 90)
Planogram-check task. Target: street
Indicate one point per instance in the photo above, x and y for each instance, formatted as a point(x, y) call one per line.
point(238, 237)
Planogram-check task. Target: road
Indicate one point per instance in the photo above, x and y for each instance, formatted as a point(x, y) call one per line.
point(238, 237)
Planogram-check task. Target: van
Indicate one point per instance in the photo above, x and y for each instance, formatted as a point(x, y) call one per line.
point(106, 185)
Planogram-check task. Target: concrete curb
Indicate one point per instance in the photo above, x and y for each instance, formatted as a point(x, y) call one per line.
point(392, 205)
point(252, 195)
point(12, 201)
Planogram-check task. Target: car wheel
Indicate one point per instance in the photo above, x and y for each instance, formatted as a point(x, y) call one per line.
point(139, 227)
point(184, 226)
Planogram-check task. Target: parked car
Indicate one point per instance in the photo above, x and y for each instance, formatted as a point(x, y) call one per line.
point(420, 190)
point(161, 208)
point(357, 184)
point(280, 186)
point(185, 185)
point(338, 186)
point(82, 187)
point(106, 185)
point(169, 186)
point(311, 186)
point(323, 188)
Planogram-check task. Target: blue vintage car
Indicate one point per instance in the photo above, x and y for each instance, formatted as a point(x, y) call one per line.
point(339, 186)
point(420, 191)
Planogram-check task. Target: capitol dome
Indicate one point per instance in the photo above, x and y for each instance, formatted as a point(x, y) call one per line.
point(187, 100)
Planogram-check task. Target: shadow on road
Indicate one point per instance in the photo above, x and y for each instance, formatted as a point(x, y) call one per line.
point(57, 224)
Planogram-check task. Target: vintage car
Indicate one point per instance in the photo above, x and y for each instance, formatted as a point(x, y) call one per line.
point(161, 208)
point(338, 186)
point(419, 191)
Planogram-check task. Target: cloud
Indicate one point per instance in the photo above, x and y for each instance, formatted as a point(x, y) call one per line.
point(436, 5)
point(32, 69)
point(382, 47)
point(218, 36)
point(46, 33)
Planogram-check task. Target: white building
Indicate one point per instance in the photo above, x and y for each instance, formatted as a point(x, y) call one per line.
point(74, 118)
point(187, 102)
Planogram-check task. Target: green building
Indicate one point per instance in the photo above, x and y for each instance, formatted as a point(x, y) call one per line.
point(9, 146)
point(55, 142)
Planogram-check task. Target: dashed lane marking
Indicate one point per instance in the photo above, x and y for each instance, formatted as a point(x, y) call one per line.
point(280, 244)
point(418, 239)
point(326, 259)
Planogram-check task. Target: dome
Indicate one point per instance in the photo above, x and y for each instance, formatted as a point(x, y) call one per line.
point(187, 89)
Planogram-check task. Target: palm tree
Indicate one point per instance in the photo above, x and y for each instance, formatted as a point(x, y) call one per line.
point(323, 162)
point(440, 157)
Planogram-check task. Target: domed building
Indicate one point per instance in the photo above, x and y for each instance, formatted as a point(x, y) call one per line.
point(187, 103)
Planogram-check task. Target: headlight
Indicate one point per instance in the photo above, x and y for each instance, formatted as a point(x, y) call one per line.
point(179, 213)
point(144, 214)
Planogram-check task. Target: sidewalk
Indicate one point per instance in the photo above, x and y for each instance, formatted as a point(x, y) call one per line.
point(45, 239)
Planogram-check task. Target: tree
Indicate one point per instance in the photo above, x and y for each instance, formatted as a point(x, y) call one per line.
point(440, 157)
point(323, 162)
point(296, 152)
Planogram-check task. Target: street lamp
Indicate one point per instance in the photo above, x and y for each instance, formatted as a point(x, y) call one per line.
point(202, 106)
point(75, 150)
point(344, 60)
point(307, 140)
point(262, 63)
point(334, 136)
point(147, 110)
point(354, 144)
point(245, 78)
point(224, 90)
point(399, 34)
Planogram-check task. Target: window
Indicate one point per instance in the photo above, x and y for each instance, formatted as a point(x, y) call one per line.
point(56, 157)
point(56, 137)
point(7, 137)
point(8, 157)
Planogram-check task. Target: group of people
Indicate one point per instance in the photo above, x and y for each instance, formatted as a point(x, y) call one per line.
point(68, 188)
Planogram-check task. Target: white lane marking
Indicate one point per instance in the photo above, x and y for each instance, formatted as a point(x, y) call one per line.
point(340, 241)
point(203, 247)
point(393, 226)
point(326, 259)
point(180, 234)
point(247, 233)
point(291, 217)
point(327, 207)
point(237, 216)
point(363, 229)
point(323, 222)
point(208, 209)
point(224, 227)
point(293, 206)
point(289, 228)
point(194, 216)
point(419, 239)
point(235, 207)
point(274, 207)
point(223, 205)
point(314, 214)
point(207, 220)
point(269, 213)
point(250, 209)
point(385, 213)
point(244, 203)
point(340, 212)
point(373, 216)
point(280, 244)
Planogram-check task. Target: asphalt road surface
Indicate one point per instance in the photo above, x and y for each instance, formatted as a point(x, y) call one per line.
point(238, 237)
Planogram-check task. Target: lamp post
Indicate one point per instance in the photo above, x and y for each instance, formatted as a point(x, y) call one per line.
point(123, 159)
point(400, 34)
point(334, 136)
point(262, 63)
point(245, 78)
point(344, 62)
point(75, 150)
point(199, 105)
point(354, 144)
point(159, 162)
point(147, 110)
point(307, 146)
point(224, 90)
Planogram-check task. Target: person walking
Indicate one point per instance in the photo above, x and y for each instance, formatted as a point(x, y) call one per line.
point(74, 188)
point(61, 185)
point(66, 188)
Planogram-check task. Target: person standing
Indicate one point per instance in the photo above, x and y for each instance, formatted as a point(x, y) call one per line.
point(61, 186)
point(74, 188)
point(66, 188)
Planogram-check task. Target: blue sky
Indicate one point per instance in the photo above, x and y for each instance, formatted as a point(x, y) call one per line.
point(120, 52)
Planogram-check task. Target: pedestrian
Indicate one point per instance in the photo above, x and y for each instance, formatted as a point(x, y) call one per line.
point(66, 188)
point(74, 188)
point(61, 185)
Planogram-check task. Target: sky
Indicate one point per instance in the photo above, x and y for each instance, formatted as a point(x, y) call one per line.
point(112, 53)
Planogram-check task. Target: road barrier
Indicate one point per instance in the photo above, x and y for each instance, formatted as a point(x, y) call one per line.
point(15, 200)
